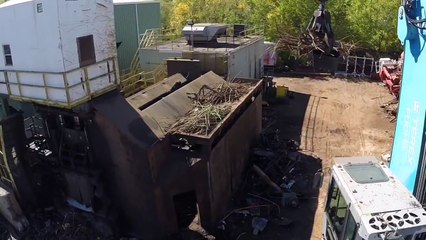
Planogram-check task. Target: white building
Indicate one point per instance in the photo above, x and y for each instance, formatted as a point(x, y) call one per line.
point(230, 56)
point(58, 53)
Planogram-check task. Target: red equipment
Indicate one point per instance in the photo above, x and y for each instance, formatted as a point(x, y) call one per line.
point(391, 74)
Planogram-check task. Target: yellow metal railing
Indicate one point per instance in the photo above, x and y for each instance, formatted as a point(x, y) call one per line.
point(132, 83)
point(151, 37)
point(14, 80)
point(5, 173)
point(154, 37)
point(134, 79)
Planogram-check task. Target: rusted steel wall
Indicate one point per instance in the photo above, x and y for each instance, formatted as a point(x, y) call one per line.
point(143, 172)
point(214, 61)
point(178, 177)
point(215, 177)
point(229, 157)
point(120, 143)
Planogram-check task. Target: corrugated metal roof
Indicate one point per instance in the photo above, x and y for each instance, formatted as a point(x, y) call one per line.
point(116, 110)
point(150, 125)
point(153, 92)
point(162, 114)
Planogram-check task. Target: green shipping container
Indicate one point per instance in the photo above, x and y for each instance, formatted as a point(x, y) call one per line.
point(132, 18)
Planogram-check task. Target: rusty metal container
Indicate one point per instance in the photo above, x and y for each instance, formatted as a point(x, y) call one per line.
point(325, 62)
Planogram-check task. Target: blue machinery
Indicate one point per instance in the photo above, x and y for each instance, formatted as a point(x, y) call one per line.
point(408, 155)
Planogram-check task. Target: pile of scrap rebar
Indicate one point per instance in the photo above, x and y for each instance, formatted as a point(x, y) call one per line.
point(307, 43)
point(211, 106)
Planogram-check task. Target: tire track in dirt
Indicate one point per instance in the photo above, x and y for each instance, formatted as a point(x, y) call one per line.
point(308, 131)
point(342, 118)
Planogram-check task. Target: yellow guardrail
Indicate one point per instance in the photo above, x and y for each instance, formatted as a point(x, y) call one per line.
point(134, 82)
point(69, 102)
point(134, 79)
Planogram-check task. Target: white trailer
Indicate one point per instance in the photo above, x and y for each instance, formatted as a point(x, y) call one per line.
point(367, 202)
point(57, 53)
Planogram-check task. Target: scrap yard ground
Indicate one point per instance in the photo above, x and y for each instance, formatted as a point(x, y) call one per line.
point(330, 117)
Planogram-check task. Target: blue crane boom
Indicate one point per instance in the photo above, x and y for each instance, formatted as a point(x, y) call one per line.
point(408, 154)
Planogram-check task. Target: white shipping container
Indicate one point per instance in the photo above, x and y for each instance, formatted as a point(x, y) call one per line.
point(57, 52)
point(246, 61)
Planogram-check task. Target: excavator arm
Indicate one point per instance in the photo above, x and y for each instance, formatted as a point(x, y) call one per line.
point(319, 28)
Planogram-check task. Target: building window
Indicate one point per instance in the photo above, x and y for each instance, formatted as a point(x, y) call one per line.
point(336, 209)
point(420, 236)
point(7, 55)
point(351, 228)
point(86, 50)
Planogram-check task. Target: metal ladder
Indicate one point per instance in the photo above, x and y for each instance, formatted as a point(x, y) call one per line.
point(147, 39)
point(37, 142)
point(5, 170)
point(74, 149)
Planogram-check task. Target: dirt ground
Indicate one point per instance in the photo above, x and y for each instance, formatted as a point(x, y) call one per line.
point(331, 118)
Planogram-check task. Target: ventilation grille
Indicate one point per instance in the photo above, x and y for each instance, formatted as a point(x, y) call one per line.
point(394, 221)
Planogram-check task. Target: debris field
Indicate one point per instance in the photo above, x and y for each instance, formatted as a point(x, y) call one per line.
point(211, 106)
point(281, 194)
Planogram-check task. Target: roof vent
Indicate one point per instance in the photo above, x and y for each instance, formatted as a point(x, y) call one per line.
point(393, 221)
point(204, 32)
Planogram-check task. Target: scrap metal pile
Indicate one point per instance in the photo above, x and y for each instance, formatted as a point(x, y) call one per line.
point(391, 109)
point(318, 38)
point(50, 223)
point(281, 177)
point(211, 106)
point(390, 72)
point(306, 45)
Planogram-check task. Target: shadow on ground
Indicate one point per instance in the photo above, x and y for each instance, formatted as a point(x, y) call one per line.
point(290, 116)
point(277, 155)
point(349, 77)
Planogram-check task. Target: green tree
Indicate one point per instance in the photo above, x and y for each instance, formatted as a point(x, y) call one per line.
point(371, 24)
point(374, 24)
point(215, 11)
point(339, 19)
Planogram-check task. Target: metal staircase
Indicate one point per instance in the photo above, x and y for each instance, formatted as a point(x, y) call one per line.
point(132, 84)
point(74, 149)
point(135, 79)
point(37, 144)
point(147, 39)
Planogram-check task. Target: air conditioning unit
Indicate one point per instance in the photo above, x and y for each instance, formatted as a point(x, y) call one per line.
point(204, 32)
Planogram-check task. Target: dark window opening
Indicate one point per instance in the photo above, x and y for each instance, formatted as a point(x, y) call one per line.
point(186, 208)
point(7, 55)
point(420, 236)
point(336, 208)
point(86, 50)
point(351, 228)
point(71, 122)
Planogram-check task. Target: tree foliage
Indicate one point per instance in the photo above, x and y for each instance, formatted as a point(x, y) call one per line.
point(370, 23)
point(374, 24)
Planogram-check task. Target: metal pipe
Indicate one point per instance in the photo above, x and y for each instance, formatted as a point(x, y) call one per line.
point(266, 178)
point(192, 39)
point(137, 21)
